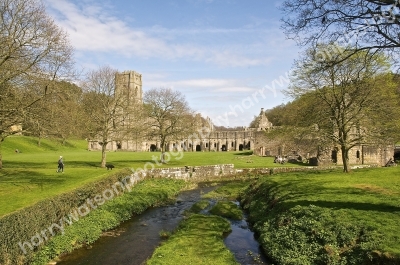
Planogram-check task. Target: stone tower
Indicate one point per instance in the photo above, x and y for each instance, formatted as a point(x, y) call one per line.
point(263, 122)
point(130, 83)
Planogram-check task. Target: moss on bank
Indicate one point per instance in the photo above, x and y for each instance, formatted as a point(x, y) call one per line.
point(227, 209)
point(198, 240)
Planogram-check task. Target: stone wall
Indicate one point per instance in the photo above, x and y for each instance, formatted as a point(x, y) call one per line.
point(368, 154)
point(219, 172)
point(323, 155)
point(214, 141)
point(193, 173)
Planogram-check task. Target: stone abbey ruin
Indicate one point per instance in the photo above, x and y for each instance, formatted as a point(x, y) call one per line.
point(209, 139)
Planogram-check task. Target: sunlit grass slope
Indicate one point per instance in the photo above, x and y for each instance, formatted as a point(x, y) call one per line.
point(30, 175)
point(367, 198)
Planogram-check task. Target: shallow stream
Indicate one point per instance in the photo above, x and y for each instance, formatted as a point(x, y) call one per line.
point(134, 241)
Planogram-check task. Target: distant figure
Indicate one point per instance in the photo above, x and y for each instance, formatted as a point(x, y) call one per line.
point(60, 165)
point(279, 159)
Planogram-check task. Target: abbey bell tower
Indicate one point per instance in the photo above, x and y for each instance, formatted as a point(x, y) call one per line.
point(130, 84)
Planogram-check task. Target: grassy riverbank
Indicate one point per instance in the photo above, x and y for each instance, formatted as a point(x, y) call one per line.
point(328, 217)
point(86, 230)
point(199, 238)
point(30, 176)
point(302, 218)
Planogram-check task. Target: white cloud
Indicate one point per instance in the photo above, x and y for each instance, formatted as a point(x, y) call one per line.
point(227, 58)
point(209, 84)
point(93, 28)
point(235, 89)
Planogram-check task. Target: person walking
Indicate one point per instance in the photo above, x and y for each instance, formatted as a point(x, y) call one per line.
point(60, 165)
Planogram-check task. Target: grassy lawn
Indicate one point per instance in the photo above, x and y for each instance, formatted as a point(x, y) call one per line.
point(365, 198)
point(30, 176)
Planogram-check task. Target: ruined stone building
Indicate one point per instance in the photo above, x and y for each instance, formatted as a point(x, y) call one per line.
point(207, 138)
point(322, 154)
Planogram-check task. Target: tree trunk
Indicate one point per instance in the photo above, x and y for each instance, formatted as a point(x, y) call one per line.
point(345, 159)
point(162, 157)
point(103, 154)
point(39, 139)
point(1, 158)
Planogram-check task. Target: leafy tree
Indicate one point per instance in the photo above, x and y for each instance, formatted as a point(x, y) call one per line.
point(34, 53)
point(275, 115)
point(360, 24)
point(353, 99)
point(104, 107)
point(169, 116)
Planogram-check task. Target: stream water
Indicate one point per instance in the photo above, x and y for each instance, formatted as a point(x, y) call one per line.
point(134, 241)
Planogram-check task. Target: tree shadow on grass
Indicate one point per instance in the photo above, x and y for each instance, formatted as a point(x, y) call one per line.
point(299, 163)
point(134, 161)
point(82, 164)
point(380, 207)
point(26, 178)
point(47, 165)
point(247, 153)
point(19, 164)
point(298, 192)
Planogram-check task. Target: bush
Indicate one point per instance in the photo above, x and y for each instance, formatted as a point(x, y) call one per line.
point(315, 235)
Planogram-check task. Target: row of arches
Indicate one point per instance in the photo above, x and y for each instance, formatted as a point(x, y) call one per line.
point(205, 147)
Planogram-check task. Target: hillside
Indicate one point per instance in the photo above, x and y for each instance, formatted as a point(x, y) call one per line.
point(27, 144)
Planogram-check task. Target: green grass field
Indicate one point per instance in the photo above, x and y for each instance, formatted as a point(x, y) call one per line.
point(30, 176)
point(364, 197)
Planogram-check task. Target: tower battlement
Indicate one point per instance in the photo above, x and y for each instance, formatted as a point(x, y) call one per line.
point(130, 84)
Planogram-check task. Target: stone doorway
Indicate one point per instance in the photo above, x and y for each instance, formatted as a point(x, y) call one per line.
point(334, 156)
point(396, 156)
point(119, 145)
point(153, 148)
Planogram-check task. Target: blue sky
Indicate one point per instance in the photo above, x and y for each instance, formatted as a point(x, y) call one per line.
point(228, 57)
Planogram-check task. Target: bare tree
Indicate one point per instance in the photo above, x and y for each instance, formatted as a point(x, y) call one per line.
point(34, 52)
point(351, 97)
point(58, 115)
point(169, 116)
point(106, 109)
point(67, 114)
point(359, 24)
